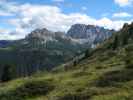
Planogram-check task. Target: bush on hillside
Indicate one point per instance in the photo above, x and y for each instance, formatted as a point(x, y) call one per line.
point(114, 77)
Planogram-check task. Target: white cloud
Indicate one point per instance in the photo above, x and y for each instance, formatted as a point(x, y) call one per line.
point(5, 34)
point(10, 37)
point(30, 17)
point(109, 24)
point(51, 17)
point(123, 3)
point(121, 15)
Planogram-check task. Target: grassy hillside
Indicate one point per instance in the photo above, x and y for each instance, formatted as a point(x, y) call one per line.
point(106, 74)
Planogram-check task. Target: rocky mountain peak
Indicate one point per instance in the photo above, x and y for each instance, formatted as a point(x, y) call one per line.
point(40, 33)
point(89, 33)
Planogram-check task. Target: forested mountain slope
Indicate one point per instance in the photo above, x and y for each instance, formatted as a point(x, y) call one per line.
point(40, 50)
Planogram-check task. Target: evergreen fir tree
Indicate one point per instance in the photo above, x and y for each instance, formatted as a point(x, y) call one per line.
point(87, 53)
point(115, 44)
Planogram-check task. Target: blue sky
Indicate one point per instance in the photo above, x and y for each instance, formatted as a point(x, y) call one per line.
point(19, 17)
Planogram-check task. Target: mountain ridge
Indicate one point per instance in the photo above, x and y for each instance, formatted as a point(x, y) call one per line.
point(36, 51)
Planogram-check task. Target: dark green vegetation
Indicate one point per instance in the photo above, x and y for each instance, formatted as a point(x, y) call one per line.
point(105, 73)
point(7, 73)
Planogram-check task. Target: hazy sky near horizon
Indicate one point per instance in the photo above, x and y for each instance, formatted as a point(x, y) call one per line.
point(19, 17)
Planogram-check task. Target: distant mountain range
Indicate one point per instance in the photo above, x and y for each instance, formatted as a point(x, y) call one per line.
point(43, 49)
point(5, 43)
